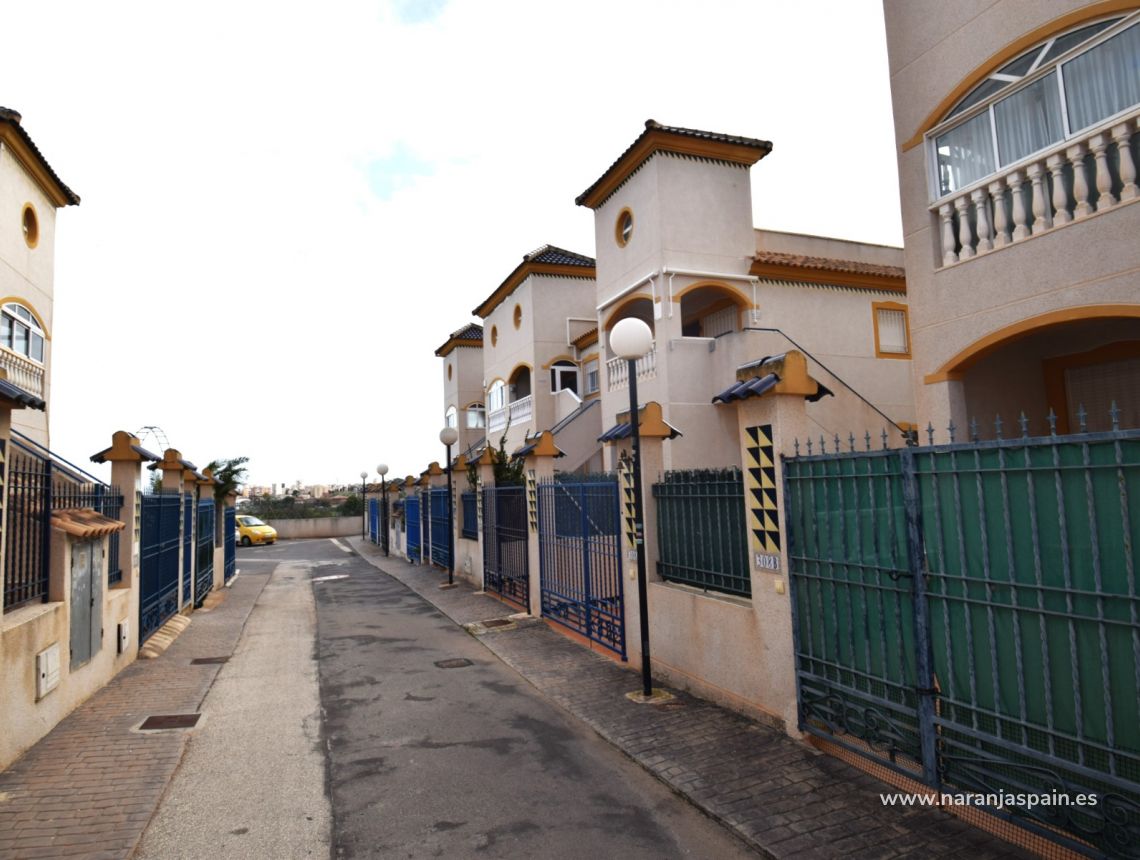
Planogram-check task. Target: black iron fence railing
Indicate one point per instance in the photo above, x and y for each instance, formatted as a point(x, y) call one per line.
point(40, 482)
point(470, 524)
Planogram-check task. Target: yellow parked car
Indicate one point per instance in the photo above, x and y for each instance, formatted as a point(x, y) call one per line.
point(251, 530)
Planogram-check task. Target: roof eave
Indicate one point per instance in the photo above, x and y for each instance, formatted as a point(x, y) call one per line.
point(524, 270)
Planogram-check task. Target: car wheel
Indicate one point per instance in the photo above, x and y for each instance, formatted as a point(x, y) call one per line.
point(245, 541)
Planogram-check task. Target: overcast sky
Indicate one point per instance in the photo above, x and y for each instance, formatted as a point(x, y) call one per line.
point(288, 206)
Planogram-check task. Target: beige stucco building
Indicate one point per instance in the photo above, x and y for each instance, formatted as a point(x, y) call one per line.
point(1017, 144)
point(32, 192)
point(463, 408)
point(677, 249)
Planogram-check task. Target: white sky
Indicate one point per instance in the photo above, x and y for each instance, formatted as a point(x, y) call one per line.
point(288, 206)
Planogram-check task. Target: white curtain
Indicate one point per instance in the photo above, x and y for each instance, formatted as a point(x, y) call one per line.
point(1028, 120)
point(1103, 81)
point(892, 331)
point(965, 154)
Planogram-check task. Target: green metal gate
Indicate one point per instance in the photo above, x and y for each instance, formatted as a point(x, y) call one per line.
point(968, 615)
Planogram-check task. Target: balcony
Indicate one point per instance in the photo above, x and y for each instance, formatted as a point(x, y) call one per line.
point(617, 370)
point(1091, 173)
point(514, 413)
point(22, 372)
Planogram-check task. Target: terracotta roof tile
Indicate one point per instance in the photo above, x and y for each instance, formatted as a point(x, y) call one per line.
point(84, 522)
point(13, 118)
point(802, 261)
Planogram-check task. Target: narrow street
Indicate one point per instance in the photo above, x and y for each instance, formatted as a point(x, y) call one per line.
point(429, 745)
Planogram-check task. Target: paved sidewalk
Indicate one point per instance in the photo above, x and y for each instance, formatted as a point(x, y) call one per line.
point(780, 796)
point(89, 788)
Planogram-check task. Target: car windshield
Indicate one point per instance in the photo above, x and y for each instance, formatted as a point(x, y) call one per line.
point(250, 521)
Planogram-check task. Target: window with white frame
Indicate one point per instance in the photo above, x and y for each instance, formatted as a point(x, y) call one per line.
point(20, 331)
point(1058, 88)
point(496, 395)
point(591, 370)
point(451, 418)
point(564, 375)
point(476, 416)
point(891, 330)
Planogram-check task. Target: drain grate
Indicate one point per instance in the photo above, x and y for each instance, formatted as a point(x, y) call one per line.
point(453, 663)
point(497, 622)
point(208, 661)
point(162, 722)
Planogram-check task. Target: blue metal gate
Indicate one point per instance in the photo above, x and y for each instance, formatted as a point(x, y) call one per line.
point(412, 523)
point(425, 525)
point(440, 528)
point(187, 548)
point(374, 520)
point(579, 549)
point(505, 565)
point(204, 578)
point(158, 561)
point(229, 542)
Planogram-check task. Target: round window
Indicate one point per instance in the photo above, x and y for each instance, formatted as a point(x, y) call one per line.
point(494, 335)
point(623, 230)
point(518, 315)
point(31, 226)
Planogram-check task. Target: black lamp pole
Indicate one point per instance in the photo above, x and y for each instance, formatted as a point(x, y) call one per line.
point(364, 505)
point(384, 513)
point(639, 534)
point(450, 523)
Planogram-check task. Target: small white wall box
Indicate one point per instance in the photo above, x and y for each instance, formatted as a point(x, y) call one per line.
point(47, 670)
point(124, 636)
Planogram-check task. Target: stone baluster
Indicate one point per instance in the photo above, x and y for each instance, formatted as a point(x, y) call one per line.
point(1021, 229)
point(1001, 223)
point(1061, 214)
point(1099, 146)
point(1122, 134)
point(965, 237)
point(948, 254)
point(1076, 156)
point(982, 219)
point(1042, 215)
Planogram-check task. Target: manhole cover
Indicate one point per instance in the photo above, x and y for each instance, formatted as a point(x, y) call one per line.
point(497, 622)
point(453, 663)
point(208, 661)
point(169, 721)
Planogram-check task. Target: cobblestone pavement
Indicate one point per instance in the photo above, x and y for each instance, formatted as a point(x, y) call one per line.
point(782, 797)
point(90, 786)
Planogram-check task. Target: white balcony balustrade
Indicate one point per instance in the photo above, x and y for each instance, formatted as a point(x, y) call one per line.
point(514, 413)
point(617, 370)
point(22, 372)
point(1067, 183)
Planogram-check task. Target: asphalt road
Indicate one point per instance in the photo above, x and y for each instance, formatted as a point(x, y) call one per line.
point(427, 745)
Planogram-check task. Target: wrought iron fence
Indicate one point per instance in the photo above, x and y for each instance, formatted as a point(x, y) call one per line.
point(701, 530)
point(968, 614)
point(204, 575)
point(230, 543)
point(468, 502)
point(505, 544)
point(158, 560)
point(440, 527)
point(40, 482)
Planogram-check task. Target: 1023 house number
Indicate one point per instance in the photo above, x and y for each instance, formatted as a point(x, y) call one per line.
point(767, 562)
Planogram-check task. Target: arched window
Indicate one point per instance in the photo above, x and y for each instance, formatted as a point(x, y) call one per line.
point(21, 332)
point(1046, 95)
point(710, 311)
point(564, 375)
point(520, 383)
point(451, 418)
point(476, 415)
point(497, 395)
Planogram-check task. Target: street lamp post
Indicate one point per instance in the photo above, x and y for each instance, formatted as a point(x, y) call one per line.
point(449, 436)
point(382, 470)
point(631, 339)
point(364, 505)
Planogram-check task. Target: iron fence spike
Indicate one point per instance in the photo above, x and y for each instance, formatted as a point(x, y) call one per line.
point(796, 445)
point(885, 438)
point(1114, 413)
point(997, 426)
point(836, 443)
point(930, 432)
point(950, 429)
point(851, 441)
point(974, 429)
point(867, 438)
point(809, 446)
point(1024, 422)
point(1082, 417)
point(1052, 419)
